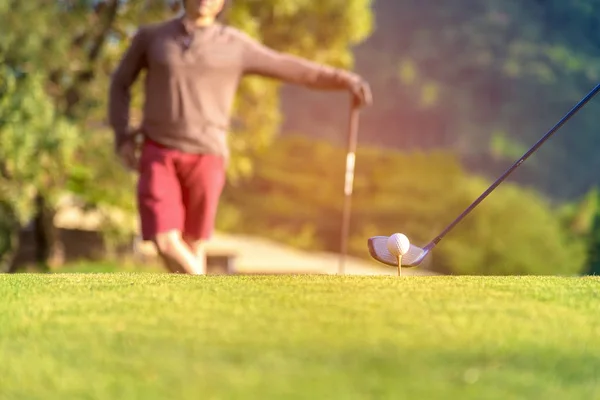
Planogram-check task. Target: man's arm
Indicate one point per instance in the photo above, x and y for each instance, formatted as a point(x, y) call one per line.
point(123, 78)
point(262, 60)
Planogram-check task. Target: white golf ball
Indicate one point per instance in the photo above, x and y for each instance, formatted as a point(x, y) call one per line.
point(398, 244)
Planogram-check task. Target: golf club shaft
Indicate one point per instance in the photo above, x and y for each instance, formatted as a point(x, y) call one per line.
point(348, 183)
point(556, 127)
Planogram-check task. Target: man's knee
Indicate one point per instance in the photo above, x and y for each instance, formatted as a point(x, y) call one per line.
point(195, 243)
point(168, 242)
point(197, 246)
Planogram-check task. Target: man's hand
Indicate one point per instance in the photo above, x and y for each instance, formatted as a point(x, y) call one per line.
point(360, 90)
point(127, 154)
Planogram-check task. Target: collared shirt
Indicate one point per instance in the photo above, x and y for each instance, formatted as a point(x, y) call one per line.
point(192, 75)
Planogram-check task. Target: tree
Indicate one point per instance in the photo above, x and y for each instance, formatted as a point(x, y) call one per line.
point(514, 231)
point(38, 145)
point(455, 75)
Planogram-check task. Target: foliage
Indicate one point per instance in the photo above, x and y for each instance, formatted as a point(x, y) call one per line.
point(513, 231)
point(298, 188)
point(451, 75)
point(100, 183)
point(38, 146)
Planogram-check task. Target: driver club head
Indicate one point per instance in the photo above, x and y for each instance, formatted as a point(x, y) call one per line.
point(379, 251)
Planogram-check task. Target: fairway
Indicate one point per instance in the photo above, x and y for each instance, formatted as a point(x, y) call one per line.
point(155, 336)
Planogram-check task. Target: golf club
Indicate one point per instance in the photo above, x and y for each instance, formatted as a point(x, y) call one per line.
point(348, 183)
point(377, 244)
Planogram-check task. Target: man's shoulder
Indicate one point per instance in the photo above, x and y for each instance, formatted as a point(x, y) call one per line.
point(235, 34)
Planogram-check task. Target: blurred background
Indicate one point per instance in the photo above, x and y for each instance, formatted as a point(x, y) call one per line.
point(461, 90)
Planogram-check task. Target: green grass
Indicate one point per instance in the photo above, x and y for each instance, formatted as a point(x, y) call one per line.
point(154, 336)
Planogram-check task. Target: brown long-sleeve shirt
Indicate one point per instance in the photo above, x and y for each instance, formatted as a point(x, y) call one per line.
point(191, 79)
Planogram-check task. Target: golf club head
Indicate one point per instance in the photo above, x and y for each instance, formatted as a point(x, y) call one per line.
point(379, 251)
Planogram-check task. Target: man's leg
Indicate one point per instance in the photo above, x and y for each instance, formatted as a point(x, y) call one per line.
point(202, 181)
point(176, 254)
point(198, 249)
point(161, 209)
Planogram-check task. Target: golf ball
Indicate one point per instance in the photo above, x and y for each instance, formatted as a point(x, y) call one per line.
point(398, 244)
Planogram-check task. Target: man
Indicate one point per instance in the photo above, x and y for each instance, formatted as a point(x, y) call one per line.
point(193, 64)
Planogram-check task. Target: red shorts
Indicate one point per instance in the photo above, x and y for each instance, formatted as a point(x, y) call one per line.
point(178, 191)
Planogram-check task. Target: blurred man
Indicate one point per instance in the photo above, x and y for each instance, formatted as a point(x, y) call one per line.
point(193, 64)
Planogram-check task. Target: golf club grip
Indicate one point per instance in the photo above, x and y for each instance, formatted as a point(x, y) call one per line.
point(532, 150)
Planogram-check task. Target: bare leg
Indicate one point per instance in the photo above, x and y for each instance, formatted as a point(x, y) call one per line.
point(198, 249)
point(177, 255)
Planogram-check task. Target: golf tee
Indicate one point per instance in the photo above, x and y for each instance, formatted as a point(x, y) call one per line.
point(399, 265)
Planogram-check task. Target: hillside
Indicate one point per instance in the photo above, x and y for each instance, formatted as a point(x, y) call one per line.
point(483, 80)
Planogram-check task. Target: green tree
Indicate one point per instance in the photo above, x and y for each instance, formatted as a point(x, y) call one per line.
point(514, 231)
point(451, 74)
point(38, 145)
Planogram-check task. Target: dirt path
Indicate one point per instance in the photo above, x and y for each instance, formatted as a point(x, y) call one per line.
point(263, 255)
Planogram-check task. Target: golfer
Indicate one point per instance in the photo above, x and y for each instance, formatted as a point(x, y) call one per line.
point(193, 65)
